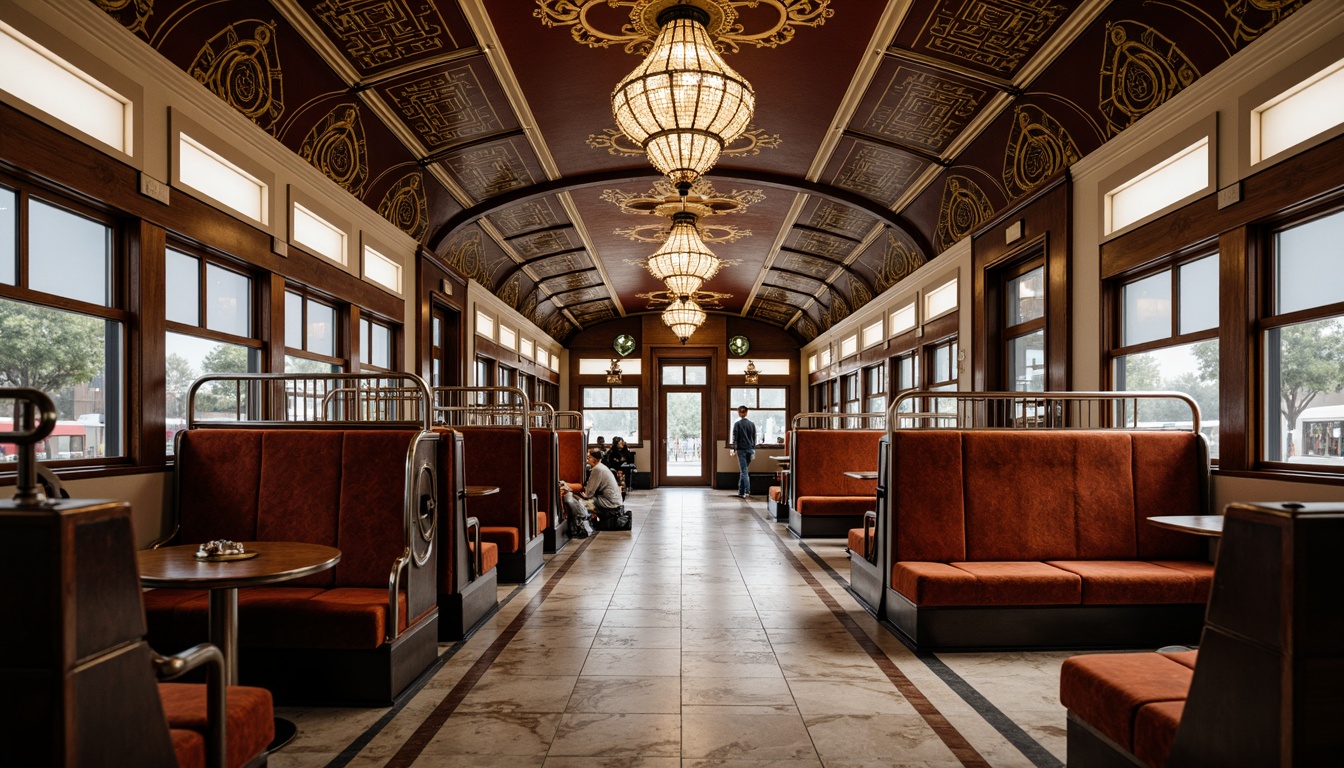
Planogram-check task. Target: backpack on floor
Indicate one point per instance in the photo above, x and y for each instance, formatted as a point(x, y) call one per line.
point(617, 519)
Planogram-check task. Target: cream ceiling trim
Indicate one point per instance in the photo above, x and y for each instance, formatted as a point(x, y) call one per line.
point(886, 28)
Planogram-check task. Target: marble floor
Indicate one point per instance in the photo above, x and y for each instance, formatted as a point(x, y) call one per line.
point(707, 636)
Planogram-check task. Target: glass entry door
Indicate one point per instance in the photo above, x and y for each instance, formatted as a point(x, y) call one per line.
point(683, 418)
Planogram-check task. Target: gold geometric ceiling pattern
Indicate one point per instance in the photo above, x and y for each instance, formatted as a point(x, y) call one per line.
point(483, 128)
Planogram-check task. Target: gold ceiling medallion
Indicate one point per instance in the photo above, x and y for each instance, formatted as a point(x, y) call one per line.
point(465, 254)
point(244, 71)
point(702, 200)
point(509, 293)
point(706, 299)
point(965, 206)
point(142, 9)
point(1038, 148)
point(1140, 70)
point(405, 205)
point(898, 261)
point(751, 142)
point(729, 33)
point(657, 233)
point(806, 328)
point(336, 147)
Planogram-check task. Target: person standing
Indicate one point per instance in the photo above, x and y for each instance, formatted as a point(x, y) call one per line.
point(743, 445)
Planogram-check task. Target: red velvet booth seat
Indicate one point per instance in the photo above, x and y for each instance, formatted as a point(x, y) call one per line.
point(250, 729)
point(1266, 689)
point(823, 501)
point(568, 466)
point(502, 457)
point(327, 636)
point(466, 583)
point(1022, 538)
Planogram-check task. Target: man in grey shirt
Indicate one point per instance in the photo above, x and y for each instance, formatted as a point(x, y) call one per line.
point(599, 494)
point(744, 445)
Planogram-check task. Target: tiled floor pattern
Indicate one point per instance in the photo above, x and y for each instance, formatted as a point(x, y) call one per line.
point(695, 641)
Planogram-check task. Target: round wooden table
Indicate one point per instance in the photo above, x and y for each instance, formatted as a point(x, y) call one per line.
point(276, 561)
point(1200, 525)
point(477, 491)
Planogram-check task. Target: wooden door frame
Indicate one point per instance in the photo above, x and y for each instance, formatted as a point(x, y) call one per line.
point(708, 445)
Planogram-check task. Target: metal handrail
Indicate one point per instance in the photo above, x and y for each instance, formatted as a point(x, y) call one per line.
point(574, 419)
point(542, 416)
point(283, 400)
point(828, 420)
point(1035, 410)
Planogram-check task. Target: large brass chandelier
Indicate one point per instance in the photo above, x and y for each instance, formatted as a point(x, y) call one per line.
point(683, 103)
point(683, 262)
point(683, 316)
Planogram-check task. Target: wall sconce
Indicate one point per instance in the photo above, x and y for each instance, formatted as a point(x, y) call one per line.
point(751, 375)
point(614, 372)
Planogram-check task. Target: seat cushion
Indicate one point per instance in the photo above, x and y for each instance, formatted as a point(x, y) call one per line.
point(489, 554)
point(543, 521)
point(505, 538)
point(856, 543)
point(280, 617)
point(188, 748)
point(994, 583)
point(834, 506)
point(1155, 731)
point(1108, 690)
point(776, 493)
point(250, 723)
point(1131, 582)
point(1200, 570)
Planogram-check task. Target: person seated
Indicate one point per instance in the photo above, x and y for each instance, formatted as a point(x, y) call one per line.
point(602, 444)
point(600, 493)
point(621, 461)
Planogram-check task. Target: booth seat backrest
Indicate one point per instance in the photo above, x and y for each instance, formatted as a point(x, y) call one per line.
point(544, 479)
point(494, 456)
point(821, 457)
point(332, 487)
point(1036, 495)
point(572, 451)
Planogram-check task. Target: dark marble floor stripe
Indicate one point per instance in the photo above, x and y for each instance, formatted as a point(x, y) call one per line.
point(416, 743)
point(951, 737)
point(1029, 747)
point(361, 741)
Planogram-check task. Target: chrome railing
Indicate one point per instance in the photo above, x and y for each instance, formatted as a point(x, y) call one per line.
point(923, 409)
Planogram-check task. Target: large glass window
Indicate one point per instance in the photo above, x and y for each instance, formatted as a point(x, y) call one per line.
point(1168, 329)
point(612, 412)
point(875, 388)
point(216, 340)
point(767, 409)
point(375, 345)
point(311, 342)
point(1303, 337)
point(61, 326)
point(1024, 330)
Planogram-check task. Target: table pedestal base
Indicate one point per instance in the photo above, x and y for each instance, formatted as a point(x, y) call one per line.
point(285, 731)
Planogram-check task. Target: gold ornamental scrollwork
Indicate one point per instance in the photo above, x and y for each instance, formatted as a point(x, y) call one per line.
point(806, 328)
point(1140, 70)
point(657, 233)
point(706, 299)
point(1038, 148)
point(241, 65)
point(141, 10)
point(964, 207)
point(727, 30)
point(405, 205)
point(898, 261)
point(465, 254)
point(336, 147)
point(750, 143)
point(664, 200)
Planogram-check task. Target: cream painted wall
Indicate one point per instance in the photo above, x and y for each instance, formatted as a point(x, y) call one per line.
point(148, 494)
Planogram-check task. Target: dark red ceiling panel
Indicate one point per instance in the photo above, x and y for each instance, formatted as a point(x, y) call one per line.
point(873, 170)
point(377, 36)
point(918, 106)
point(493, 168)
point(992, 37)
point(448, 104)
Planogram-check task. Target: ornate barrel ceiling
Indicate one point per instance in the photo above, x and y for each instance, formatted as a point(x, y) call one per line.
point(883, 132)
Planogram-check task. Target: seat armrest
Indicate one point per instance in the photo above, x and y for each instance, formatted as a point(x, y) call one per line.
point(476, 560)
point(870, 542)
point(216, 705)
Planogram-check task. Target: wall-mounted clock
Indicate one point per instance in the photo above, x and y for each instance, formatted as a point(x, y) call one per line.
point(624, 344)
point(738, 345)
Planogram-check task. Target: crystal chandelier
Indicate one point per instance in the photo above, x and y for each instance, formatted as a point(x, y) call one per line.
point(683, 262)
point(683, 103)
point(751, 375)
point(614, 372)
point(683, 316)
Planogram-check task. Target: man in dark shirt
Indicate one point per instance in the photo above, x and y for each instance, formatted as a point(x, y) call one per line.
point(743, 445)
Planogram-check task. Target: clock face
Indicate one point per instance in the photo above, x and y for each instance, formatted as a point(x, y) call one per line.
point(624, 344)
point(739, 345)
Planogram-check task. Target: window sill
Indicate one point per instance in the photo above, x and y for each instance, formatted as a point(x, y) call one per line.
point(1285, 476)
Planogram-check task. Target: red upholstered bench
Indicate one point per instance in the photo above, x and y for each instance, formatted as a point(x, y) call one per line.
point(824, 502)
point(330, 635)
point(502, 457)
point(570, 449)
point(1265, 690)
point(1038, 538)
